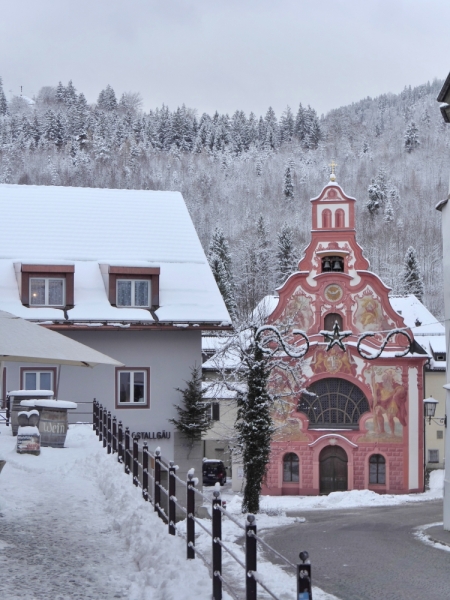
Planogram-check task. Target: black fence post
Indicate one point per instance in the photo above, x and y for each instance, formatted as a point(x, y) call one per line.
point(105, 429)
point(120, 443)
point(145, 471)
point(8, 409)
point(157, 490)
point(109, 431)
point(216, 547)
point(127, 450)
point(304, 584)
point(94, 415)
point(114, 435)
point(172, 494)
point(135, 462)
point(190, 523)
point(100, 423)
point(250, 558)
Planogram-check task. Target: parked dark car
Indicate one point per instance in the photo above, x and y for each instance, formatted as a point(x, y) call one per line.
point(214, 471)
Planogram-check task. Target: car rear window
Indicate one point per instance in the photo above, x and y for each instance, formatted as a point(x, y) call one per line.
point(212, 467)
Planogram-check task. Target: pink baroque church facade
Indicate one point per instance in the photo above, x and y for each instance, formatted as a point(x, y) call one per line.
point(343, 421)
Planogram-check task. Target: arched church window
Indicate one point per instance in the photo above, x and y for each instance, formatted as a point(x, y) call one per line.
point(340, 218)
point(326, 219)
point(377, 469)
point(291, 467)
point(334, 403)
point(330, 320)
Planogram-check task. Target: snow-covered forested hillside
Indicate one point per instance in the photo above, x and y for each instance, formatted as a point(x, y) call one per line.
point(251, 175)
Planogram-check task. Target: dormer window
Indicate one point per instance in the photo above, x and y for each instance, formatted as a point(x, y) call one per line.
point(333, 264)
point(133, 292)
point(47, 285)
point(133, 287)
point(47, 291)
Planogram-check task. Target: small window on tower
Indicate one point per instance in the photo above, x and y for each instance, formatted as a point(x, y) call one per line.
point(326, 219)
point(334, 264)
point(340, 218)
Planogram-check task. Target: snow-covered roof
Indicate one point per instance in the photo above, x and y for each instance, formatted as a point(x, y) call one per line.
point(213, 343)
point(412, 310)
point(86, 227)
point(427, 330)
point(219, 390)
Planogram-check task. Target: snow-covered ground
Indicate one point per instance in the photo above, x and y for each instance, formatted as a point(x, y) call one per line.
point(73, 526)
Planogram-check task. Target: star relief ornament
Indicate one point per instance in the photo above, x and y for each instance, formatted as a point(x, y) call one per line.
point(335, 338)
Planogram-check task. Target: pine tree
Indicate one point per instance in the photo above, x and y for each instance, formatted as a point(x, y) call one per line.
point(412, 282)
point(254, 425)
point(411, 137)
point(70, 94)
point(299, 128)
point(388, 211)
point(220, 261)
point(3, 102)
point(377, 191)
point(194, 415)
point(288, 187)
point(107, 99)
point(263, 260)
point(286, 258)
point(60, 93)
point(287, 125)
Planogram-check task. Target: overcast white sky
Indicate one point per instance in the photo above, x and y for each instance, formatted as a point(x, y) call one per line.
point(228, 54)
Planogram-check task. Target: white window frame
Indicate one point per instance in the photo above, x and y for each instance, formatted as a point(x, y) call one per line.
point(133, 293)
point(146, 401)
point(38, 373)
point(46, 292)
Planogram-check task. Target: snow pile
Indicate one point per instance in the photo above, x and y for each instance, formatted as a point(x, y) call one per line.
point(353, 499)
point(49, 403)
point(162, 568)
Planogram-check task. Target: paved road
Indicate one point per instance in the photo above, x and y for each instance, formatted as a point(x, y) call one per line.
point(370, 553)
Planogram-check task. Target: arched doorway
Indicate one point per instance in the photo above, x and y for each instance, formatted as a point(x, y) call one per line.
point(333, 470)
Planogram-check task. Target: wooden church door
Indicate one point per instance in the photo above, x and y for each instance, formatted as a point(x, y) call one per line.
point(333, 470)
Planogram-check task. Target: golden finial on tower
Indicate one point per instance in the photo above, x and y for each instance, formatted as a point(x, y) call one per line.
point(333, 165)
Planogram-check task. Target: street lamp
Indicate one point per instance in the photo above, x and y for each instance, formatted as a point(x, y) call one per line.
point(429, 405)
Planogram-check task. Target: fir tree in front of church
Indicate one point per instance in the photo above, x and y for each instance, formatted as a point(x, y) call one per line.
point(194, 414)
point(254, 425)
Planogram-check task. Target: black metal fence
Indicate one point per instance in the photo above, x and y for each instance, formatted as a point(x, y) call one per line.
point(150, 472)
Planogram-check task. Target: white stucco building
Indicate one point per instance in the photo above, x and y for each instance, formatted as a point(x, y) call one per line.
point(122, 271)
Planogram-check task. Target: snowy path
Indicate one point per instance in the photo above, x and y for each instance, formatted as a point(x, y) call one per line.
point(73, 527)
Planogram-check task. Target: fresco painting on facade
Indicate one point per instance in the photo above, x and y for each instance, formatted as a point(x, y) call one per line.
point(333, 361)
point(389, 398)
point(298, 310)
point(369, 313)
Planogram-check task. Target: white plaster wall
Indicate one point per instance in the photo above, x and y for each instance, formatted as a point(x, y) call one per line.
point(434, 382)
point(446, 262)
point(170, 356)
